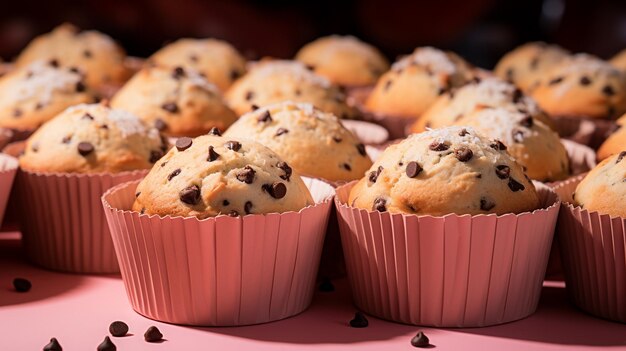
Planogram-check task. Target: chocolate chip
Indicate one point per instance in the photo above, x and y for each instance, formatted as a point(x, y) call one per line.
point(215, 131)
point(72, 69)
point(463, 154)
point(247, 207)
point(163, 164)
point(518, 136)
point(53, 345)
point(137, 194)
point(80, 87)
point(118, 329)
point(233, 145)
point(497, 145)
point(246, 175)
point(463, 132)
point(326, 285)
point(620, 157)
point(337, 139)
point(503, 171)
point(527, 122)
point(183, 143)
point(87, 53)
point(178, 73)
point(509, 74)
point(160, 125)
point(359, 321)
point(234, 74)
point(517, 95)
point(584, 80)
point(212, 154)
point(420, 340)
point(361, 149)
point(486, 204)
point(281, 131)
point(438, 146)
point(309, 67)
point(104, 126)
point(555, 81)
point(249, 95)
point(107, 345)
point(254, 107)
point(608, 90)
point(87, 116)
point(387, 85)
point(173, 174)
point(233, 213)
point(22, 285)
point(54, 63)
point(298, 92)
point(193, 58)
point(277, 190)
point(514, 185)
point(441, 91)
point(17, 113)
point(170, 107)
point(534, 63)
point(373, 176)
point(285, 167)
point(155, 155)
point(85, 148)
point(153, 334)
point(265, 117)
point(190, 195)
point(379, 205)
point(346, 167)
point(413, 169)
point(143, 210)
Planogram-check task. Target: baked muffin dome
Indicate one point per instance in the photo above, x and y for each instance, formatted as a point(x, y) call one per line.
point(616, 142)
point(619, 60)
point(604, 189)
point(443, 171)
point(177, 101)
point(582, 86)
point(32, 95)
point(344, 60)
point(415, 81)
point(313, 142)
point(217, 60)
point(212, 175)
point(93, 53)
point(527, 64)
point(529, 141)
point(273, 81)
point(481, 93)
point(91, 139)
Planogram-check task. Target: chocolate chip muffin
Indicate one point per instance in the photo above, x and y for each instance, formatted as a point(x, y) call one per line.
point(443, 171)
point(616, 142)
point(177, 101)
point(619, 60)
point(315, 143)
point(93, 139)
point(32, 95)
point(527, 64)
point(582, 86)
point(415, 81)
point(95, 54)
point(212, 175)
point(604, 188)
point(344, 60)
point(481, 93)
point(532, 143)
point(272, 81)
point(217, 60)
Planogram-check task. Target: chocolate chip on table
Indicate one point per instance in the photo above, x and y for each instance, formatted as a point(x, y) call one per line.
point(281, 131)
point(584, 80)
point(486, 204)
point(107, 345)
point(265, 117)
point(212, 154)
point(346, 167)
point(527, 122)
point(160, 125)
point(463, 132)
point(555, 81)
point(246, 175)
point(173, 174)
point(413, 169)
point(420, 340)
point(53, 345)
point(80, 87)
point(518, 136)
point(438, 146)
point(215, 131)
point(620, 157)
point(85, 148)
point(373, 176)
point(170, 107)
point(183, 143)
point(503, 171)
point(276, 190)
point(379, 205)
point(178, 73)
point(608, 90)
point(22, 285)
point(463, 154)
point(359, 321)
point(155, 155)
point(497, 145)
point(153, 334)
point(118, 329)
point(249, 95)
point(233, 145)
point(247, 207)
point(514, 185)
point(285, 167)
point(190, 195)
point(361, 149)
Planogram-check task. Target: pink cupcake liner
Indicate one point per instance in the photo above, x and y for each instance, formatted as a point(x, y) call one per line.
point(62, 220)
point(590, 132)
point(593, 251)
point(220, 271)
point(368, 133)
point(451, 271)
point(8, 169)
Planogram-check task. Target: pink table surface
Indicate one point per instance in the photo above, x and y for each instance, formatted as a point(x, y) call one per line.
point(77, 310)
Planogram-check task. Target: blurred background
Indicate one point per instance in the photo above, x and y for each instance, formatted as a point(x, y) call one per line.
point(480, 30)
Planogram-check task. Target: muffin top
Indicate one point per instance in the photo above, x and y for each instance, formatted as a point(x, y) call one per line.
point(344, 60)
point(529, 141)
point(177, 101)
point(92, 139)
point(212, 175)
point(32, 95)
point(443, 171)
point(313, 142)
point(582, 86)
point(272, 81)
point(604, 188)
point(619, 60)
point(480, 94)
point(527, 64)
point(217, 60)
point(615, 142)
point(93, 53)
point(415, 81)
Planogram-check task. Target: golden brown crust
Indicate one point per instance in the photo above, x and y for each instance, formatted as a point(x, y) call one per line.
point(604, 188)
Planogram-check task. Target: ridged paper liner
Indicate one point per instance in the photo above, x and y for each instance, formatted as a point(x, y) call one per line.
point(220, 271)
point(451, 271)
point(593, 247)
point(8, 168)
point(590, 132)
point(62, 220)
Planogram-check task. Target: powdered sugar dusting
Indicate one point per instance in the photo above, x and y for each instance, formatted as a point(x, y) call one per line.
point(430, 57)
point(41, 80)
point(581, 63)
point(197, 80)
point(298, 70)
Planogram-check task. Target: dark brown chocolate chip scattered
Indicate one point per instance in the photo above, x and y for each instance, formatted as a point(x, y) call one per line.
point(249, 95)
point(438, 146)
point(413, 169)
point(373, 176)
point(104, 126)
point(337, 139)
point(54, 63)
point(503, 171)
point(22, 285)
point(361, 149)
point(584, 80)
point(163, 164)
point(518, 136)
point(170, 107)
point(509, 74)
point(517, 95)
point(608, 90)
point(514, 185)
point(53, 345)
point(212, 154)
point(233, 145)
point(326, 285)
point(285, 167)
point(359, 321)
point(246, 175)
point(173, 174)
point(441, 91)
point(190, 195)
point(118, 329)
point(254, 107)
point(234, 74)
point(85, 148)
point(225, 202)
point(463, 154)
point(193, 58)
point(87, 116)
point(233, 213)
point(298, 92)
point(80, 87)
point(463, 132)
point(178, 73)
point(281, 131)
point(265, 117)
point(620, 157)
point(555, 81)
point(160, 125)
point(87, 53)
point(527, 122)
point(183, 143)
point(498, 145)
point(379, 205)
point(387, 85)
point(247, 207)
point(143, 210)
point(215, 131)
point(107, 345)
point(155, 155)
point(137, 194)
point(486, 204)
point(277, 190)
point(420, 340)
point(346, 167)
